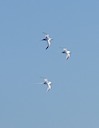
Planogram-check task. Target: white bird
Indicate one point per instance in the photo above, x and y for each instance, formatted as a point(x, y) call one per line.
point(46, 82)
point(67, 52)
point(48, 39)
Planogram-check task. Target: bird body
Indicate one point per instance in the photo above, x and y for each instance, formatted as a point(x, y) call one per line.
point(48, 83)
point(67, 52)
point(48, 39)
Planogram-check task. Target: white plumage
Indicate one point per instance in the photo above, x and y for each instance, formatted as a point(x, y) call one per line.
point(48, 83)
point(48, 39)
point(67, 52)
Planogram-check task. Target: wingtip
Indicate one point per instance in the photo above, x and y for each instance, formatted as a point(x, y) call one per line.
point(46, 48)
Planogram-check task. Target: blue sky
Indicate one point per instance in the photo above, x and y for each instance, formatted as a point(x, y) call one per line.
point(73, 101)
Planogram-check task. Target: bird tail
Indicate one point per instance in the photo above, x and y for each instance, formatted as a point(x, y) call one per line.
point(37, 83)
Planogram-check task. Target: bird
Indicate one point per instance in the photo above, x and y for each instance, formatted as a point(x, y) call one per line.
point(48, 39)
point(67, 52)
point(46, 82)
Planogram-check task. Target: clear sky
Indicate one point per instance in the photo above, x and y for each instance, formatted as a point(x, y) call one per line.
point(73, 101)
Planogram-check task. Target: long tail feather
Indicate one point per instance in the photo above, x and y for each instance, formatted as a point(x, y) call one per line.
point(37, 83)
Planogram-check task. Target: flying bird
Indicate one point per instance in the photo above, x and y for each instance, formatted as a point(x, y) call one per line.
point(48, 39)
point(67, 52)
point(48, 83)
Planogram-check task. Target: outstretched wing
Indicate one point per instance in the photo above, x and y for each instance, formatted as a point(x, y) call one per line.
point(46, 80)
point(49, 87)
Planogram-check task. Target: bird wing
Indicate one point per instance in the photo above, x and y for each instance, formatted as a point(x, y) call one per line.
point(68, 52)
point(46, 80)
point(49, 42)
point(67, 56)
point(48, 87)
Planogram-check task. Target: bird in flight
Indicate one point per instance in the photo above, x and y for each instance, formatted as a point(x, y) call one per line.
point(67, 52)
point(48, 83)
point(48, 39)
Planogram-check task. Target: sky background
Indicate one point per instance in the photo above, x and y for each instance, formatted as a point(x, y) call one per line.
point(73, 101)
